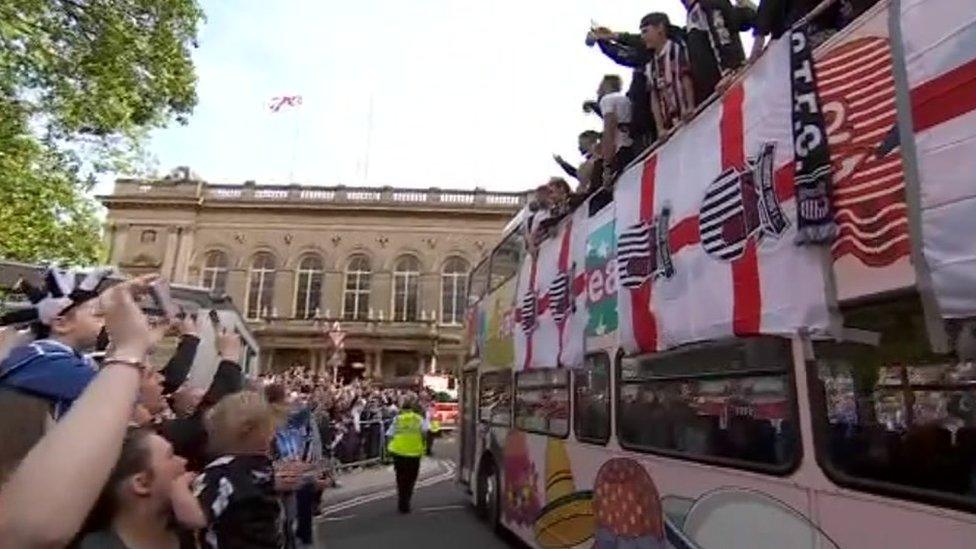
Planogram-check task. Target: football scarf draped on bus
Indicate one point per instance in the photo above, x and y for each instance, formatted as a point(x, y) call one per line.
point(705, 226)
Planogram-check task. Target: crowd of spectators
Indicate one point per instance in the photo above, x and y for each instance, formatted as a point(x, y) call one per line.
point(99, 449)
point(674, 70)
point(350, 417)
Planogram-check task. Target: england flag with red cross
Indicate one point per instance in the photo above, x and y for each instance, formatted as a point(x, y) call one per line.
point(706, 224)
point(542, 304)
point(939, 44)
point(572, 262)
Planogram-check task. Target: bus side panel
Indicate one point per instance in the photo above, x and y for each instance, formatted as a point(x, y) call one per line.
point(862, 520)
point(565, 493)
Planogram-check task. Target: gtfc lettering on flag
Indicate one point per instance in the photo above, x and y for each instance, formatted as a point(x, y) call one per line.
point(705, 226)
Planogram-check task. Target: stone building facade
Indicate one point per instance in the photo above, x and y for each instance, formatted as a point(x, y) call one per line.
point(389, 264)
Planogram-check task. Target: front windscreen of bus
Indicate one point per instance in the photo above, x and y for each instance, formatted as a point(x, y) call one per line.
point(896, 414)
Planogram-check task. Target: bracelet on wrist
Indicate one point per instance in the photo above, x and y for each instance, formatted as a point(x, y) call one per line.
point(130, 362)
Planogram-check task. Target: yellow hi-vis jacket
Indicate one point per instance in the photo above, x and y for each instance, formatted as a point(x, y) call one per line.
point(408, 435)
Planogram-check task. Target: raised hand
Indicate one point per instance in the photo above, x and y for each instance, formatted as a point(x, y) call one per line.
point(229, 345)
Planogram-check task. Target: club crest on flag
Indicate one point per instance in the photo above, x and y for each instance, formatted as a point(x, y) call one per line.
point(739, 205)
point(560, 303)
point(643, 252)
point(529, 311)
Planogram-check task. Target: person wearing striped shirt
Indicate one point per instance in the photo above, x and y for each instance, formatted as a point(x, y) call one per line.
point(668, 73)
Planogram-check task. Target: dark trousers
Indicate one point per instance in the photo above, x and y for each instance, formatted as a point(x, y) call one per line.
point(305, 503)
point(406, 469)
point(430, 442)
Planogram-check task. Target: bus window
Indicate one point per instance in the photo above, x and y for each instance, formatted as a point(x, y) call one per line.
point(896, 418)
point(478, 283)
point(542, 402)
point(507, 259)
point(728, 403)
point(592, 394)
point(495, 401)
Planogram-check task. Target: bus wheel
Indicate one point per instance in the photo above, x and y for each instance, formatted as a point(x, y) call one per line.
point(488, 492)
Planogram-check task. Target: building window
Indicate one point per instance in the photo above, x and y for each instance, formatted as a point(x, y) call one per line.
point(148, 237)
point(542, 402)
point(592, 393)
point(308, 286)
point(454, 282)
point(260, 295)
point(495, 398)
point(355, 302)
point(214, 275)
point(724, 403)
point(406, 278)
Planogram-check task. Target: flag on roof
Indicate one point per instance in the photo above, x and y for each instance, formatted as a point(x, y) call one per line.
point(284, 101)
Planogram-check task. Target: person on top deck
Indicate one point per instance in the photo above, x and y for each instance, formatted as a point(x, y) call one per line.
point(406, 445)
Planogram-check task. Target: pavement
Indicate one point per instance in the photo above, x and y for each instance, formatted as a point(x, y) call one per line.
point(377, 480)
point(362, 512)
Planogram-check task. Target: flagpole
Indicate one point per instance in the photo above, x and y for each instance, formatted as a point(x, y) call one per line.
point(294, 148)
point(369, 139)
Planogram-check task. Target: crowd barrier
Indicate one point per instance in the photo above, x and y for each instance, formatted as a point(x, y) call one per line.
point(372, 445)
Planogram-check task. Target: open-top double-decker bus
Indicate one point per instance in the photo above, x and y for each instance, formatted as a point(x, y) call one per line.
point(678, 366)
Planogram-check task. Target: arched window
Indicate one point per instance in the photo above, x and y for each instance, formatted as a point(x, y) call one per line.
point(214, 273)
point(355, 299)
point(260, 294)
point(406, 283)
point(308, 286)
point(454, 290)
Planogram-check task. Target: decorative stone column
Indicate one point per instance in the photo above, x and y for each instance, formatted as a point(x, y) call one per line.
point(186, 240)
point(378, 364)
point(121, 239)
point(169, 256)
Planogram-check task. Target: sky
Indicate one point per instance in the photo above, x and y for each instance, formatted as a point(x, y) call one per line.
point(426, 93)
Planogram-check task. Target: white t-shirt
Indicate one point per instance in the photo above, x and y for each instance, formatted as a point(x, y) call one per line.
point(618, 104)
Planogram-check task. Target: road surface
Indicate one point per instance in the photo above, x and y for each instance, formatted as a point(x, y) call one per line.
point(441, 517)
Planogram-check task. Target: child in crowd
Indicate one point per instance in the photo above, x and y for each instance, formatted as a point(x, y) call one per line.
point(40, 380)
point(238, 489)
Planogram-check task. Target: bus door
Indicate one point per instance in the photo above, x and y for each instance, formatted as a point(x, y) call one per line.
point(469, 419)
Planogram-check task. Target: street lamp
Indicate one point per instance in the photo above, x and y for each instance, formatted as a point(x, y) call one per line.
point(337, 336)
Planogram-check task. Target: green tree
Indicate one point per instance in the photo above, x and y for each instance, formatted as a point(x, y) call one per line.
point(81, 84)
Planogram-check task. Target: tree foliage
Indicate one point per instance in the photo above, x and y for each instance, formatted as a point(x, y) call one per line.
point(81, 84)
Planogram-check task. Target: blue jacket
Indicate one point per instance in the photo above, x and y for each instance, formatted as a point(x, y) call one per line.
point(50, 370)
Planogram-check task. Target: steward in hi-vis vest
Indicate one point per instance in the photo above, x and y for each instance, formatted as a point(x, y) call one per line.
point(407, 434)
